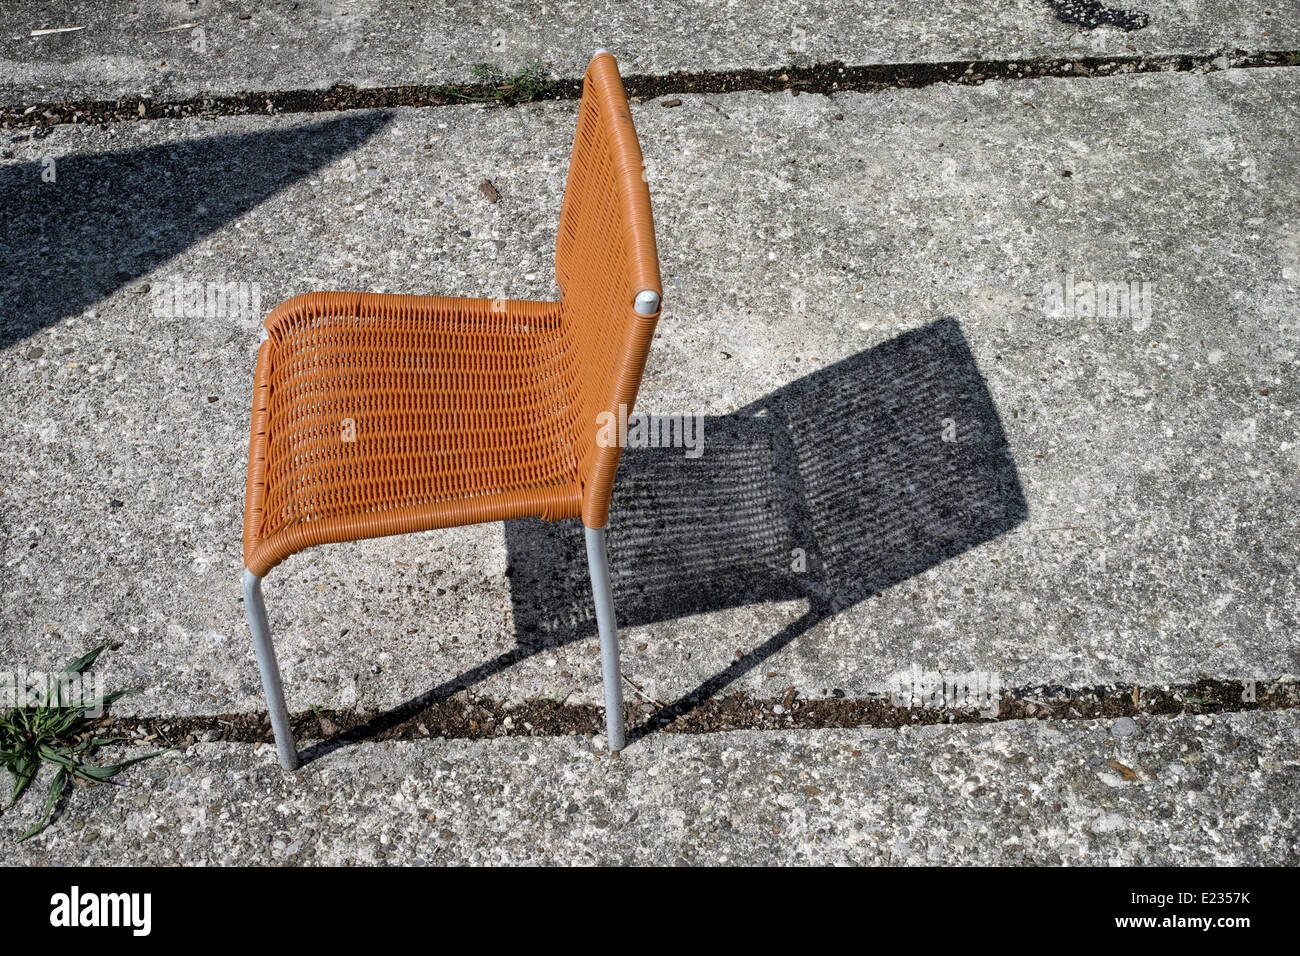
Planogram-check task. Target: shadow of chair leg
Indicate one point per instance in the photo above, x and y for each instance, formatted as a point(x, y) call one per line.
point(738, 668)
point(394, 717)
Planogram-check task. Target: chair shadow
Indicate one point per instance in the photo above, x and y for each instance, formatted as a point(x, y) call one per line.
point(109, 218)
point(829, 490)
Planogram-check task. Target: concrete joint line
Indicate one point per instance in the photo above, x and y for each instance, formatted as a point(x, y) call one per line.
point(825, 79)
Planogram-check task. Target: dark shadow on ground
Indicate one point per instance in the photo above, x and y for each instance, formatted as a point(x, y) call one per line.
point(109, 218)
point(829, 490)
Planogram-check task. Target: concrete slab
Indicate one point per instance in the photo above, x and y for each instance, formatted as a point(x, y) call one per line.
point(168, 49)
point(1114, 507)
point(1203, 790)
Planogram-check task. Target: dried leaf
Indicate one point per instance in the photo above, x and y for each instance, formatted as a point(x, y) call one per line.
point(1126, 772)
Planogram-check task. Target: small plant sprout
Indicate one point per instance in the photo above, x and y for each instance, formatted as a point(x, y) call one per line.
point(59, 731)
point(495, 86)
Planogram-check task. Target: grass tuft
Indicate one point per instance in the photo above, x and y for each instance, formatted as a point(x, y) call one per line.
point(59, 732)
point(493, 86)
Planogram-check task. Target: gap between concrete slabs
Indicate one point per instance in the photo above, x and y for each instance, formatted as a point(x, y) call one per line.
point(825, 79)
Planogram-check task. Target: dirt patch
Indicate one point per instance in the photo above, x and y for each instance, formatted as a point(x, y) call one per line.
point(465, 716)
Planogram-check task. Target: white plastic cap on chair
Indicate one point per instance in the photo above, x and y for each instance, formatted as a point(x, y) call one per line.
point(647, 302)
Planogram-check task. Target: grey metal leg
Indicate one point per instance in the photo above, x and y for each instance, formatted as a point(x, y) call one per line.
point(598, 562)
point(256, 610)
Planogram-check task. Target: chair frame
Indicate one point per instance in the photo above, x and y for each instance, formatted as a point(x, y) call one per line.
point(646, 303)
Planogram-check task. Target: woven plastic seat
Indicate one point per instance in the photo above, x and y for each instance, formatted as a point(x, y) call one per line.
point(384, 414)
point(387, 414)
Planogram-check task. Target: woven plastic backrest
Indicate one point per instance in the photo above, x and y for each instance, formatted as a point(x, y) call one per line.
point(605, 255)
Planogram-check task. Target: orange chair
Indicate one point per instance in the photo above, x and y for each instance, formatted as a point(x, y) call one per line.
point(386, 414)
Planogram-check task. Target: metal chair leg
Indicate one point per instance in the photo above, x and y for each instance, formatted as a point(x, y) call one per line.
point(598, 562)
point(256, 611)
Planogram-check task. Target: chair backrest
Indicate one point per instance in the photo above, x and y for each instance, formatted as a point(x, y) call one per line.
point(607, 267)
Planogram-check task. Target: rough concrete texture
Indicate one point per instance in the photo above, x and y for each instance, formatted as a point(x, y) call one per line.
point(1156, 460)
point(241, 47)
point(926, 445)
point(1189, 790)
